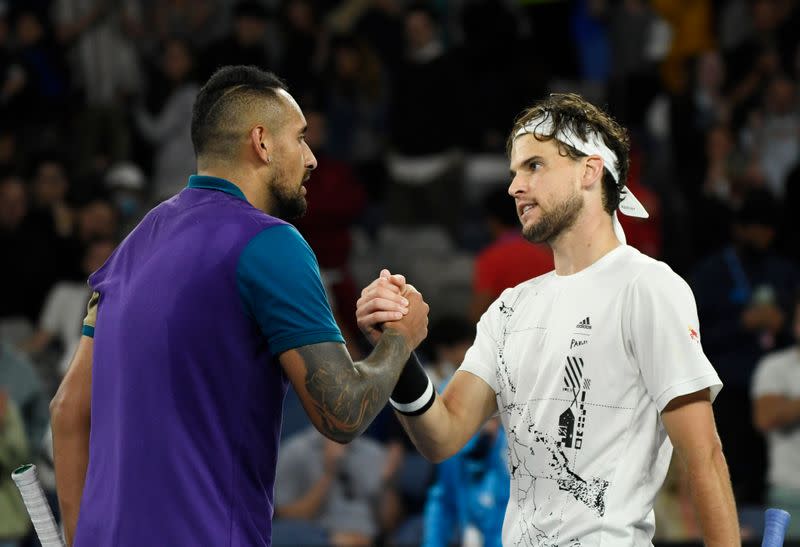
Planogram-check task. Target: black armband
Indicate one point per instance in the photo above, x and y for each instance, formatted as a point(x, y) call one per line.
point(414, 393)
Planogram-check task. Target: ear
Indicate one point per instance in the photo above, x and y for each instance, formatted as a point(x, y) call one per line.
point(592, 171)
point(261, 143)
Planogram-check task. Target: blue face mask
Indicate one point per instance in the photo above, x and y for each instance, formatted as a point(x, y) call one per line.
point(128, 206)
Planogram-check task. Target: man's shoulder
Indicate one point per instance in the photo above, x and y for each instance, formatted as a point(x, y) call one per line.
point(643, 271)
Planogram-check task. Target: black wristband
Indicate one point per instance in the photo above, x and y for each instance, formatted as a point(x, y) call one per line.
point(414, 393)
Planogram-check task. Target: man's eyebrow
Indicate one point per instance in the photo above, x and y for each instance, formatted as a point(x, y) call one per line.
point(525, 162)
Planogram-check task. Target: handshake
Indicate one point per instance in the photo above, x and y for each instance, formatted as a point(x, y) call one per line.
point(391, 303)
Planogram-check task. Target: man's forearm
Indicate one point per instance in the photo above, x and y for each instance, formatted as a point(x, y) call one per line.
point(775, 412)
point(71, 458)
point(430, 432)
point(712, 496)
point(349, 398)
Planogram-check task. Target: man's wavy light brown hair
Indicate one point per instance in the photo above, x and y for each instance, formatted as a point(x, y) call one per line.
point(579, 115)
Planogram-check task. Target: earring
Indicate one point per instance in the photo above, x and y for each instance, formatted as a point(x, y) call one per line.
point(269, 159)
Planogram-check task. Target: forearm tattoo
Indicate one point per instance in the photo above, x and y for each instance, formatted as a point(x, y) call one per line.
point(348, 395)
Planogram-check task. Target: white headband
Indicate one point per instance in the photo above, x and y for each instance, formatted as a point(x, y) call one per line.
point(592, 146)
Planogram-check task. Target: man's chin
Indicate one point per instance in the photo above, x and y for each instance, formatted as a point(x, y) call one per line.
point(293, 210)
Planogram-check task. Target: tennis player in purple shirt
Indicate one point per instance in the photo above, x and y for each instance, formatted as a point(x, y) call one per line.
point(166, 426)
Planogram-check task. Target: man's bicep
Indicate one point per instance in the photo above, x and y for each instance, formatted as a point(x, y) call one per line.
point(321, 374)
point(74, 395)
point(689, 421)
point(470, 401)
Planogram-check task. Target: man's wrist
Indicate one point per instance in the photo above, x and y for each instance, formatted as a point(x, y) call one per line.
point(392, 332)
point(414, 393)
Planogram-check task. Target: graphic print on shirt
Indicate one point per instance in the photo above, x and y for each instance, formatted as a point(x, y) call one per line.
point(575, 414)
point(543, 464)
point(503, 375)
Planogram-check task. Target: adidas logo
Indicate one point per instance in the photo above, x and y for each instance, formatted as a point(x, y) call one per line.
point(584, 324)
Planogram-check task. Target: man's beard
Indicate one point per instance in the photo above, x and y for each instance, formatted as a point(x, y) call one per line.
point(287, 203)
point(554, 223)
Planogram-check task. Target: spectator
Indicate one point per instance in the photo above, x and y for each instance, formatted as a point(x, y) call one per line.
point(330, 486)
point(301, 40)
point(31, 259)
point(773, 134)
point(755, 61)
point(742, 292)
point(95, 219)
point(689, 32)
point(356, 101)
point(12, 75)
point(721, 187)
point(126, 184)
point(695, 112)
point(62, 318)
point(197, 20)
point(424, 165)
point(105, 68)
point(468, 500)
point(776, 413)
point(19, 378)
point(482, 22)
point(46, 80)
point(381, 25)
point(169, 130)
point(246, 44)
point(509, 260)
point(14, 521)
point(49, 210)
point(638, 42)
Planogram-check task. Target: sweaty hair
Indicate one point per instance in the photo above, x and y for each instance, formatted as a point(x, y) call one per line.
point(582, 117)
point(230, 93)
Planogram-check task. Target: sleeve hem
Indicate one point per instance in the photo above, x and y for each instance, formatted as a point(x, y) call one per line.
point(286, 343)
point(690, 386)
point(481, 372)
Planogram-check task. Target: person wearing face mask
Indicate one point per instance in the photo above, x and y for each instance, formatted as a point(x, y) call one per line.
point(741, 293)
point(126, 184)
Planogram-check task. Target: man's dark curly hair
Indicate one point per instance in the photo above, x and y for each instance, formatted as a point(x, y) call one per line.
point(576, 113)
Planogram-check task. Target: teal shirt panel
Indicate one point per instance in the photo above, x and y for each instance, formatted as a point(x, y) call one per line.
point(281, 288)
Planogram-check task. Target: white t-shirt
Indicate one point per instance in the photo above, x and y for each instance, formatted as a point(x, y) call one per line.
point(62, 315)
point(582, 365)
point(779, 374)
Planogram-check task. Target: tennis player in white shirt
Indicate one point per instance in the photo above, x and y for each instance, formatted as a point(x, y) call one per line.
point(596, 369)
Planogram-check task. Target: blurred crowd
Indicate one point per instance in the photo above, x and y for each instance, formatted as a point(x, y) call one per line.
point(409, 105)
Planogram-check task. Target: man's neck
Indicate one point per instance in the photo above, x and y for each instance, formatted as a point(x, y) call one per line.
point(590, 239)
point(255, 193)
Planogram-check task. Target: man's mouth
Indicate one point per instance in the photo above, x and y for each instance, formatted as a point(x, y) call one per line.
point(523, 210)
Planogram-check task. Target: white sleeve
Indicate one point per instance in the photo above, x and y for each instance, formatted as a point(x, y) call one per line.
point(767, 379)
point(665, 337)
point(50, 319)
point(481, 357)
